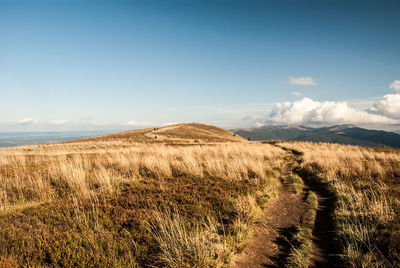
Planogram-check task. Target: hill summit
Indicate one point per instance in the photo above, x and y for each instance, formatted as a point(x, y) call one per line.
point(178, 133)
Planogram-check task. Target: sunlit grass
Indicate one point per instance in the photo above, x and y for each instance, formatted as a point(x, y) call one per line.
point(366, 183)
point(94, 201)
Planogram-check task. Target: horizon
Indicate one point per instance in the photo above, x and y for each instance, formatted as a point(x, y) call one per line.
point(106, 131)
point(101, 66)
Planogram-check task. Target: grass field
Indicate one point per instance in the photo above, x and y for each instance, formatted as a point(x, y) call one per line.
point(187, 198)
point(367, 186)
point(118, 203)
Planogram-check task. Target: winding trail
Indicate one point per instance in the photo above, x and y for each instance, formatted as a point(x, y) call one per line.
point(325, 248)
point(269, 245)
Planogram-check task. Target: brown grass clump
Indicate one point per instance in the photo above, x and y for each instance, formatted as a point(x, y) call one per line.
point(119, 203)
point(366, 183)
point(188, 246)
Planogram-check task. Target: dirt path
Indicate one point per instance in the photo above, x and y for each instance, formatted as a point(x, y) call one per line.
point(269, 245)
point(325, 249)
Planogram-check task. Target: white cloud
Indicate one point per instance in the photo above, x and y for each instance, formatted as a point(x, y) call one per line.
point(388, 106)
point(26, 121)
point(139, 124)
point(59, 122)
point(295, 93)
point(302, 81)
point(259, 124)
point(395, 85)
point(308, 111)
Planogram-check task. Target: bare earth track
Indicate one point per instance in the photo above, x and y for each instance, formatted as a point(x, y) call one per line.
point(325, 248)
point(270, 242)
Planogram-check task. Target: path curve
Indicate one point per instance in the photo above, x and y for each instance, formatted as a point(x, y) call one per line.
point(269, 244)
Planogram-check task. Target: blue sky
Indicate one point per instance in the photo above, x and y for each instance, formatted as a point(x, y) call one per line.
point(84, 65)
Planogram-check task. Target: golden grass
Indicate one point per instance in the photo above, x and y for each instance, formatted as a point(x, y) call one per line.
point(186, 133)
point(366, 183)
point(54, 171)
point(109, 191)
point(188, 246)
point(300, 253)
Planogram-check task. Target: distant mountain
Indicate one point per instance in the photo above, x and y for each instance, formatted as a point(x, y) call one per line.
point(343, 134)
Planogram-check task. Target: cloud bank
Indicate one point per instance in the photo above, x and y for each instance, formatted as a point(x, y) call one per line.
point(26, 121)
point(388, 106)
point(384, 111)
point(395, 85)
point(302, 81)
point(308, 111)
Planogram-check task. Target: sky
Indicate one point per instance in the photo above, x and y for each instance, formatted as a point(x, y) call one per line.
point(95, 65)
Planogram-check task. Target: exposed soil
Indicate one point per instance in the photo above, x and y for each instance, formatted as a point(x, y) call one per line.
point(325, 248)
point(270, 245)
point(270, 242)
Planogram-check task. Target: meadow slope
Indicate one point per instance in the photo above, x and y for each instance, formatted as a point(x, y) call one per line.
point(366, 185)
point(193, 195)
point(113, 201)
point(188, 133)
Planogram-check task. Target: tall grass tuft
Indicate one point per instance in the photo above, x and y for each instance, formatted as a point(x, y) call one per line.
point(365, 181)
point(185, 245)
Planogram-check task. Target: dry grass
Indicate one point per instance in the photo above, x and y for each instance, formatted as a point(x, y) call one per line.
point(87, 203)
point(294, 182)
point(366, 183)
point(192, 133)
point(89, 169)
point(300, 253)
point(188, 246)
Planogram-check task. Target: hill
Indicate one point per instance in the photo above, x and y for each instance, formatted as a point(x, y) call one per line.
point(128, 200)
point(111, 201)
point(178, 133)
point(342, 134)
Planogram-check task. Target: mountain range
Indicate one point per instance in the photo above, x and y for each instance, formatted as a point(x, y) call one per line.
point(342, 134)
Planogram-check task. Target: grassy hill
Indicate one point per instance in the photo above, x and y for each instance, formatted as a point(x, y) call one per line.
point(178, 133)
point(342, 134)
point(190, 198)
point(130, 200)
